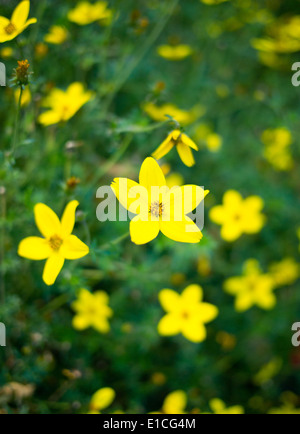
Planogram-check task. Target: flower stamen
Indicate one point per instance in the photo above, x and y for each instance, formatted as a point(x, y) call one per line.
point(10, 29)
point(156, 209)
point(55, 242)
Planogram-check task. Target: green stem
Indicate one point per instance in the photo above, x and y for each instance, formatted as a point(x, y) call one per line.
point(2, 246)
point(16, 124)
point(113, 242)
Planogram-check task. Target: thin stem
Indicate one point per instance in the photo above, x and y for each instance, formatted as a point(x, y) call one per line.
point(16, 124)
point(2, 245)
point(113, 242)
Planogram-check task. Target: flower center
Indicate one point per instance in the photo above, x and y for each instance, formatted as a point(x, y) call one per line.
point(10, 29)
point(156, 209)
point(185, 315)
point(55, 242)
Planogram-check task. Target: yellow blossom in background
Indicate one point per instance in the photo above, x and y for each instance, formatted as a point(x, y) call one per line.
point(92, 310)
point(213, 2)
point(253, 288)
point(64, 105)
point(10, 29)
point(205, 134)
point(26, 96)
point(173, 179)
point(158, 208)
point(102, 399)
point(175, 52)
point(6, 52)
point(184, 117)
point(226, 340)
point(238, 216)
point(277, 148)
point(204, 266)
point(57, 35)
point(290, 403)
point(186, 313)
point(41, 50)
point(174, 403)
point(219, 407)
point(285, 272)
point(87, 13)
point(183, 144)
point(58, 243)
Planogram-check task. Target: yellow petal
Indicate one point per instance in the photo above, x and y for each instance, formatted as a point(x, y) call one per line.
point(175, 402)
point(73, 248)
point(207, 312)
point(185, 154)
point(68, 218)
point(266, 301)
point(193, 331)
point(49, 117)
point(101, 325)
point(193, 294)
point(151, 175)
point(189, 142)
point(142, 232)
point(164, 148)
point(46, 220)
point(52, 268)
point(128, 192)
point(81, 322)
point(244, 302)
point(184, 232)
point(169, 325)
point(103, 398)
point(217, 214)
point(27, 24)
point(34, 248)
point(232, 198)
point(20, 14)
point(231, 232)
point(169, 300)
point(185, 199)
point(4, 22)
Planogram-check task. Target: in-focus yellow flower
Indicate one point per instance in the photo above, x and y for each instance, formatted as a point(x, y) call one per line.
point(285, 272)
point(64, 105)
point(159, 208)
point(10, 29)
point(277, 148)
point(26, 96)
point(252, 289)
point(58, 243)
point(186, 313)
point(184, 117)
point(102, 399)
point(219, 407)
point(92, 310)
point(183, 144)
point(87, 13)
point(57, 35)
point(175, 52)
point(238, 216)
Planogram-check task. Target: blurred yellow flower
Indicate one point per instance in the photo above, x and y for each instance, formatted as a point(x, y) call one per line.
point(26, 96)
point(10, 29)
point(238, 216)
point(58, 243)
point(184, 117)
point(253, 288)
point(64, 105)
point(57, 35)
point(158, 207)
point(102, 399)
point(211, 140)
point(186, 313)
point(6, 52)
point(285, 272)
point(183, 145)
point(219, 407)
point(175, 403)
point(92, 310)
point(277, 148)
point(87, 13)
point(175, 52)
point(41, 50)
point(226, 340)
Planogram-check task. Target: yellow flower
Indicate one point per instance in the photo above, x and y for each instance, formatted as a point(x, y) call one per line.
point(158, 208)
point(87, 13)
point(64, 105)
point(6, 52)
point(186, 313)
point(26, 96)
point(238, 216)
point(184, 117)
point(58, 243)
point(10, 29)
point(212, 141)
point(218, 407)
point(285, 272)
point(57, 35)
point(253, 288)
point(92, 310)
point(41, 50)
point(183, 145)
point(177, 52)
point(277, 148)
point(102, 399)
point(175, 403)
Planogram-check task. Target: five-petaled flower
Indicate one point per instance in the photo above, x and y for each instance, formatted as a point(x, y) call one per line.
point(159, 208)
point(252, 289)
point(184, 146)
point(92, 310)
point(186, 313)
point(87, 13)
point(238, 216)
point(64, 105)
point(10, 29)
point(58, 243)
